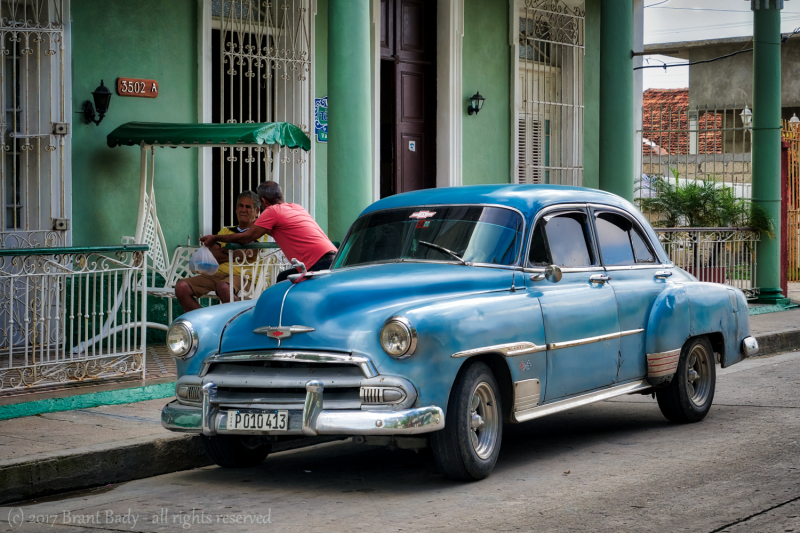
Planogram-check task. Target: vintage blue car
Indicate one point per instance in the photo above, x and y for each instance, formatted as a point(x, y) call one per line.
point(449, 312)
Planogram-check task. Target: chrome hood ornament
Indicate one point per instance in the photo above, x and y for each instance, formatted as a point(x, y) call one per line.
point(282, 332)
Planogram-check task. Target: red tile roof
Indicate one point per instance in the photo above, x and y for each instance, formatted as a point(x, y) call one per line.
point(665, 124)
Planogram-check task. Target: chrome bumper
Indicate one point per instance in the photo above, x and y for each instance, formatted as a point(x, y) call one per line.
point(211, 420)
point(749, 346)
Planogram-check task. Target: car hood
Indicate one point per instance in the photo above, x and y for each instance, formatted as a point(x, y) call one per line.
point(343, 303)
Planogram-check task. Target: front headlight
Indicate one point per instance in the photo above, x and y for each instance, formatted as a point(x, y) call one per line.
point(398, 337)
point(182, 339)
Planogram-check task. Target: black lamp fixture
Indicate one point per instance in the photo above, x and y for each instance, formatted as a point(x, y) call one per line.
point(476, 103)
point(102, 99)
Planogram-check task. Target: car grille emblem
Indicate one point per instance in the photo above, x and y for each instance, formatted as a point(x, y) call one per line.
point(282, 332)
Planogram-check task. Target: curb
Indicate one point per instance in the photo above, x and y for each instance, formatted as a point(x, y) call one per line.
point(43, 477)
point(778, 341)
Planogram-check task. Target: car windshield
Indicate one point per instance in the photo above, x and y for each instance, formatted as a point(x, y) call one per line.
point(474, 234)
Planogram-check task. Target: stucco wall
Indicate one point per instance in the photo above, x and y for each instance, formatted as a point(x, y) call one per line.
point(731, 80)
point(486, 68)
point(143, 39)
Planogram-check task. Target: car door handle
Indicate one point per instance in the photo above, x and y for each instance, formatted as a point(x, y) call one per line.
point(663, 274)
point(599, 278)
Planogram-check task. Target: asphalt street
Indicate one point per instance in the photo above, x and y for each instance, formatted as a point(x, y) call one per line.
point(614, 466)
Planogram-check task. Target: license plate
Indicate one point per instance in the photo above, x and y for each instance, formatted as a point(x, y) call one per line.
point(261, 421)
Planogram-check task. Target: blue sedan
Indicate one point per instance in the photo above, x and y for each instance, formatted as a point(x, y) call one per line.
point(449, 312)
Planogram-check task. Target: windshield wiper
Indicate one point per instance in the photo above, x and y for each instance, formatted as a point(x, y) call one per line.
point(443, 249)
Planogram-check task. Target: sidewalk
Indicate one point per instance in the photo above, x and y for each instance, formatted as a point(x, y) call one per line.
point(71, 450)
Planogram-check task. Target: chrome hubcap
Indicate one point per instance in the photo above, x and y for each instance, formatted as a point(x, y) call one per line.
point(698, 375)
point(483, 420)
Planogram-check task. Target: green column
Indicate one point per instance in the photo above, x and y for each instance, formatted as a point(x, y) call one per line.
point(616, 97)
point(766, 166)
point(349, 114)
point(591, 96)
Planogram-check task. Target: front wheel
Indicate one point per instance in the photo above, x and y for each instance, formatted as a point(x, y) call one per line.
point(234, 451)
point(689, 395)
point(468, 446)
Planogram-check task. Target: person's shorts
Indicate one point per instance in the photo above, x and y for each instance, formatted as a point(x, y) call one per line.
point(203, 284)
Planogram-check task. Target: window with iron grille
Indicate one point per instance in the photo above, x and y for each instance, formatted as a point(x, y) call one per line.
point(550, 92)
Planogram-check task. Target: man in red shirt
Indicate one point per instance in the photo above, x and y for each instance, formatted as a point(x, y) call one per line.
point(298, 235)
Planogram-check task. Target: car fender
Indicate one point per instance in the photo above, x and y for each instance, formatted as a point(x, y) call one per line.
point(476, 325)
point(687, 310)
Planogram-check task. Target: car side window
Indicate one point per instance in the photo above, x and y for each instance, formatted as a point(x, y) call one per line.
point(562, 239)
point(620, 241)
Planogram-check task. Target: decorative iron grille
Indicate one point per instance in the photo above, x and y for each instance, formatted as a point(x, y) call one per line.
point(262, 71)
point(69, 315)
point(550, 92)
point(32, 98)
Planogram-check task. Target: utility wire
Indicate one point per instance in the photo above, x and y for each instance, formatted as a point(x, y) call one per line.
point(784, 39)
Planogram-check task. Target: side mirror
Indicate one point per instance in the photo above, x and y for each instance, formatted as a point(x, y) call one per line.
point(552, 274)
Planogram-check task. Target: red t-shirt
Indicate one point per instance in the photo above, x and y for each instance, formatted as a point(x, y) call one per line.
point(296, 233)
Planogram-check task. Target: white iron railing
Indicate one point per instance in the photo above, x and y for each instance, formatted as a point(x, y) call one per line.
point(717, 255)
point(69, 315)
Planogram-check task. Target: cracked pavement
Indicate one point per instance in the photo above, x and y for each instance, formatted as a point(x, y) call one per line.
point(613, 466)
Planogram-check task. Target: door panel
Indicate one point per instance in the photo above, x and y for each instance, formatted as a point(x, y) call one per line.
point(626, 257)
point(408, 38)
point(413, 171)
point(413, 29)
point(574, 309)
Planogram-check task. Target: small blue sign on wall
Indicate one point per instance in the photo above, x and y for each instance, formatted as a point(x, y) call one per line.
point(321, 119)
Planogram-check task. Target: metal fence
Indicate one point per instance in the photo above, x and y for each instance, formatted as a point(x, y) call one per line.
point(696, 144)
point(717, 255)
point(70, 315)
point(791, 134)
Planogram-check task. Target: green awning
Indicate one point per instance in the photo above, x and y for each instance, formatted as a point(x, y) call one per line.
point(154, 133)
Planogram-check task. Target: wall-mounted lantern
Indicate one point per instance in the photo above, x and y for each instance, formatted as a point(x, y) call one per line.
point(102, 99)
point(794, 121)
point(747, 117)
point(476, 103)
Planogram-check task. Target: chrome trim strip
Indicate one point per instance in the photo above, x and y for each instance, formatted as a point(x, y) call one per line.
point(578, 401)
point(509, 350)
point(364, 363)
point(590, 340)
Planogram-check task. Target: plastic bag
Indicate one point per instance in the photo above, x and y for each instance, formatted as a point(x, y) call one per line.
point(203, 262)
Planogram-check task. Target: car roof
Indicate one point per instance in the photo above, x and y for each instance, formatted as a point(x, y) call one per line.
point(529, 199)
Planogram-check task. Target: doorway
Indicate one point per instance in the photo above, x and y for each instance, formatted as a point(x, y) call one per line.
point(408, 96)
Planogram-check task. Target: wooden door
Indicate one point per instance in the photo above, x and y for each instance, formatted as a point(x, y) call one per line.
point(408, 39)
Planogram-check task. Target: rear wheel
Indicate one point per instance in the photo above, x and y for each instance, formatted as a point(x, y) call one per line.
point(468, 446)
point(234, 451)
point(689, 395)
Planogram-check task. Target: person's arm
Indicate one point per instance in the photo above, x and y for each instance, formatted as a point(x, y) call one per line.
point(219, 254)
point(252, 234)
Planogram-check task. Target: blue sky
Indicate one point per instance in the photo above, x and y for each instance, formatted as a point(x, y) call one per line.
point(691, 20)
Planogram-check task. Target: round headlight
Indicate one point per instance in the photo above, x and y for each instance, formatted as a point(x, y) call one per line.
point(398, 337)
point(181, 339)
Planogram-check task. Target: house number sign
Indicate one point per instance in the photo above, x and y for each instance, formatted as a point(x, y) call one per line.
point(137, 87)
